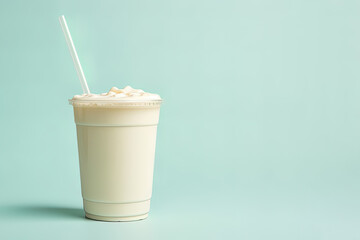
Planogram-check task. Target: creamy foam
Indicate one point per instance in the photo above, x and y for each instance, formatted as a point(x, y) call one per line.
point(116, 94)
point(126, 97)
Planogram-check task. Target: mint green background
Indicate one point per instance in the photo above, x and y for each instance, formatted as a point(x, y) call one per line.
point(258, 135)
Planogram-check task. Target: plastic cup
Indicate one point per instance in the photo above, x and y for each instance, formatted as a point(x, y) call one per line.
point(116, 143)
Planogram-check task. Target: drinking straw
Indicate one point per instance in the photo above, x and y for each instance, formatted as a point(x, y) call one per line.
point(74, 55)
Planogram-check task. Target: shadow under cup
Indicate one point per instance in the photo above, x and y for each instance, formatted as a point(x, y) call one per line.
point(116, 143)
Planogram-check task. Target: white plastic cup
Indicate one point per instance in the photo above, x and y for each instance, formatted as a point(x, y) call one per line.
point(116, 143)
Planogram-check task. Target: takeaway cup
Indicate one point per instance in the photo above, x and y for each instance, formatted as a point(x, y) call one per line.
point(116, 143)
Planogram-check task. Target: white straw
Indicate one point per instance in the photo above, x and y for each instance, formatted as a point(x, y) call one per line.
point(74, 55)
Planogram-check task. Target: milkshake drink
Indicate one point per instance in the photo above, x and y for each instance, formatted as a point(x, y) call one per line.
point(116, 134)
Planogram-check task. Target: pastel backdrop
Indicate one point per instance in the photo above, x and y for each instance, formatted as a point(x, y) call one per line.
point(259, 130)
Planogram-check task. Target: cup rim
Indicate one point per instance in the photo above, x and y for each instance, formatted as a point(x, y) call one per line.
point(115, 103)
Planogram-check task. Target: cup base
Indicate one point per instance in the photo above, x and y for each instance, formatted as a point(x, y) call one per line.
point(116, 219)
point(115, 212)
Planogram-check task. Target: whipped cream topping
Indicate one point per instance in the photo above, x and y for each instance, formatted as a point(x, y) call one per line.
point(115, 94)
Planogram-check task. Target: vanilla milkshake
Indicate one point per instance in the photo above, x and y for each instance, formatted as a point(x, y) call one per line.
point(116, 134)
